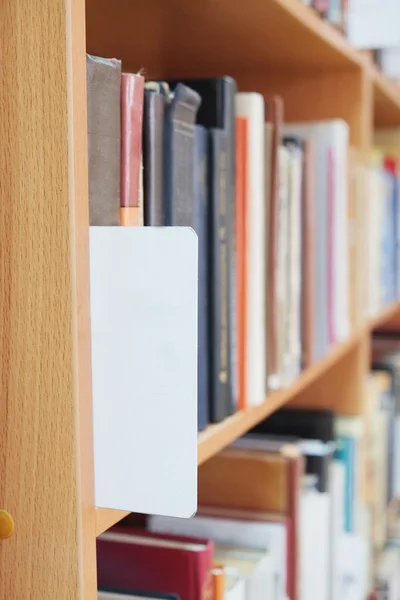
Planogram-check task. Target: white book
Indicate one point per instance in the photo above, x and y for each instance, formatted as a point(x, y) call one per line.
point(254, 566)
point(251, 106)
point(315, 516)
point(235, 587)
point(353, 567)
point(337, 491)
point(282, 287)
point(331, 146)
point(256, 535)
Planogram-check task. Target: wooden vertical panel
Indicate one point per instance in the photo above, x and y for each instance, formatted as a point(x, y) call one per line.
point(44, 327)
point(316, 95)
point(342, 388)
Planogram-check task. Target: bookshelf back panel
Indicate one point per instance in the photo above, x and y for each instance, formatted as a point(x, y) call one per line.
point(317, 95)
point(341, 388)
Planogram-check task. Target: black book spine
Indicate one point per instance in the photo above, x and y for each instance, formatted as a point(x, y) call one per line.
point(179, 146)
point(220, 363)
point(153, 161)
point(201, 227)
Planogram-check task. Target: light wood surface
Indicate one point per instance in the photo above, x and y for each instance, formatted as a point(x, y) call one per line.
point(44, 479)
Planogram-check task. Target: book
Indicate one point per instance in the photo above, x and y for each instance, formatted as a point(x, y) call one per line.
point(134, 595)
point(126, 559)
point(251, 106)
point(217, 111)
point(253, 530)
point(273, 134)
point(200, 224)
point(153, 158)
point(103, 78)
point(132, 93)
point(221, 397)
point(241, 250)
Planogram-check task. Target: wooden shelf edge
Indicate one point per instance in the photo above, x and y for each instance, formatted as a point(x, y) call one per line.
point(218, 436)
point(107, 517)
point(322, 30)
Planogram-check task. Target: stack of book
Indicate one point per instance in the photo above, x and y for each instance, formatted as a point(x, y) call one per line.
point(285, 228)
point(303, 507)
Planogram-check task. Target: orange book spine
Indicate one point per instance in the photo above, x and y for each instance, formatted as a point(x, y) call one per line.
point(130, 216)
point(241, 252)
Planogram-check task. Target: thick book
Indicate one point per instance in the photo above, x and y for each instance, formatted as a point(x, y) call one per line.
point(220, 366)
point(132, 91)
point(200, 225)
point(153, 158)
point(103, 78)
point(179, 147)
point(158, 563)
point(251, 106)
point(217, 111)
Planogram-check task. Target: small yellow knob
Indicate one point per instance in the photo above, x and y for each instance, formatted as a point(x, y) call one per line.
point(6, 525)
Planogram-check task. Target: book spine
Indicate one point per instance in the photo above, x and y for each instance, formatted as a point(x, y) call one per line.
point(308, 258)
point(220, 365)
point(200, 226)
point(153, 158)
point(179, 156)
point(331, 248)
point(104, 139)
point(132, 91)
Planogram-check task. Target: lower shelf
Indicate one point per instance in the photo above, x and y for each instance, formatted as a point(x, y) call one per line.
point(216, 437)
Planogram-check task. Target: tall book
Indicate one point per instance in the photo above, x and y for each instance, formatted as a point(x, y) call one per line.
point(201, 201)
point(241, 248)
point(221, 398)
point(274, 121)
point(217, 111)
point(132, 92)
point(251, 106)
point(104, 139)
point(308, 258)
point(153, 158)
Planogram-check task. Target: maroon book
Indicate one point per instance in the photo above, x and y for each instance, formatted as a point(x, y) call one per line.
point(134, 559)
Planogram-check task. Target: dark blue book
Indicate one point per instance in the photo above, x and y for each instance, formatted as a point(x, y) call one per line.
point(217, 111)
point(221, 403)
point(200, 226)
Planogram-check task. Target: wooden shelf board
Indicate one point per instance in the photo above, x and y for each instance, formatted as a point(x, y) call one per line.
point(218, 436)
point(214, 37)
point(386, 101)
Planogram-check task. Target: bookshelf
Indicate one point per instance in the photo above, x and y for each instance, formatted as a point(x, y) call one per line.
point(46, 459)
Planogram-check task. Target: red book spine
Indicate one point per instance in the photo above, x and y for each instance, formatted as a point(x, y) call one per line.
point(132, 97)
point(128, 560)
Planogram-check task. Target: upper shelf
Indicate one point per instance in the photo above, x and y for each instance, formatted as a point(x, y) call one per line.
point(217, 37)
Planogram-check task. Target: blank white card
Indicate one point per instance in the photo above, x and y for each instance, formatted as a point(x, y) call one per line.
point(144, 365)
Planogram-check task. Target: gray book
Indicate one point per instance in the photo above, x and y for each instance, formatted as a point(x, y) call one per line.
point(104, 139)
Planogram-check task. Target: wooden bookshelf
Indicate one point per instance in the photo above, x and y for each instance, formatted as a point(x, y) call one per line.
point(46, 438)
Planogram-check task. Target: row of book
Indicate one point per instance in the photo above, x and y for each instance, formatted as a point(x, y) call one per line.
point(295, 249)
point(305, 507)
point(333, 11)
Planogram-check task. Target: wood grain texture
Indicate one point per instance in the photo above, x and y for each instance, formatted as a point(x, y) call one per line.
point(215, 37)
point(316, 95)
point(43, 395)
